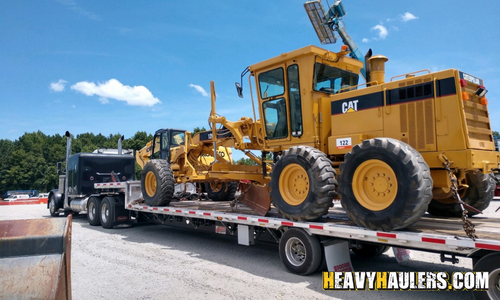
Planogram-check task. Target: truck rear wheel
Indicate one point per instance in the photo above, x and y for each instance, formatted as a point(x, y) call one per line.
point(384, 184)
point(491, 264)
point(106, 212)
point(300, 252)
point(479, 194)
point(93, 211)
point(221, 191)
point(303, 184)
point(157, 182)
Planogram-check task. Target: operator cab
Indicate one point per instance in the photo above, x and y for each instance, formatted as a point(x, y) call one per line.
point(164, 140)
point(290, 85)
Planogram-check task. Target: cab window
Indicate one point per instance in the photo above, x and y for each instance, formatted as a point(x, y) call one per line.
point(295, 103)
point(275, 118)
point(331, 80)
point(271, 83)
point(177, 139)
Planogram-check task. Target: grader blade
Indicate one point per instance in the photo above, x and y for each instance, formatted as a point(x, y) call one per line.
point(256, 198)
point(35, 259)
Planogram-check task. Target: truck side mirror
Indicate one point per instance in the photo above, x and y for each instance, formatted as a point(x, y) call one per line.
point(59, 168)
point(239, 89)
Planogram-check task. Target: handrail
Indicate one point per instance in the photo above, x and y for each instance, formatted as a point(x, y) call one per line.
point(412, 73)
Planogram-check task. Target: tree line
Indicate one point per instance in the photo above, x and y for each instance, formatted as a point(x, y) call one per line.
point(29, 163)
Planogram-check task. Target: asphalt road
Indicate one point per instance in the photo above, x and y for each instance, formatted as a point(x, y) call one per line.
point(159, 262)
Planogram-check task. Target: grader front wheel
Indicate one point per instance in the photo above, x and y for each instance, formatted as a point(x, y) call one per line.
point(157, 182)
point(384, 184)
point(303, 184)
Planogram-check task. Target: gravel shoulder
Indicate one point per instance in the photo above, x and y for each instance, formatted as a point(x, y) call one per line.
point(158, 262)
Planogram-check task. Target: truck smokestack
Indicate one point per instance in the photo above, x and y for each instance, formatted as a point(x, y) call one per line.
point(68, 153)
point(377, 68)
point(120, 144)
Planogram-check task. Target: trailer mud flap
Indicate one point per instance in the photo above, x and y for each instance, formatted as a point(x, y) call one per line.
point(338, 256)
point(401, 254)
point(255, 197)
point(35, 258)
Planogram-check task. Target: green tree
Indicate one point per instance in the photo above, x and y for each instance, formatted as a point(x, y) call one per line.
point(196, 130)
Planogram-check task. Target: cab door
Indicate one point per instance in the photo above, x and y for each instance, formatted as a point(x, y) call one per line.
point(274, 112)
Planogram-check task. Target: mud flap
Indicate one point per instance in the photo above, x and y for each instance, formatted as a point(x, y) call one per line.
point(255, 197)
point(338, 256)
point(36, 255)
point(401, 254)
point(120, 215)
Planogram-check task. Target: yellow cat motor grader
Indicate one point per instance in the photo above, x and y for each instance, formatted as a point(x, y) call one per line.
point(400, 148)
point(159, 148)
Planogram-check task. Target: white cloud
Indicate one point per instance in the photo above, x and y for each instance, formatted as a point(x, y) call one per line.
point(407, 16)
point(382, 31)
point(58, 86)
point(199, 89)
point(104, 100)
point(77, 9)
point(113, 89)
point(365, 40)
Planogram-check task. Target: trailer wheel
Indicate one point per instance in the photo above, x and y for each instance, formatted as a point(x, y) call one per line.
point(300, 252)
point(221, 191)
point(157, 182)
point(93, 211)
point(106, 212)
point(491, 264)
point(53, 207)
point(384, 184)
point(370, 250)
point(303, 184)
point(479, 194)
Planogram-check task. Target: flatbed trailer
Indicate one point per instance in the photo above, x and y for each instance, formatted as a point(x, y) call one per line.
point(306, 247)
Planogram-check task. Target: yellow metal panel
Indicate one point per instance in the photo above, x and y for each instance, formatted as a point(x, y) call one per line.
point(465, 159)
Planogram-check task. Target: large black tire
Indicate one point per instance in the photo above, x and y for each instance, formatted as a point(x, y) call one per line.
point(53, 206)
point(303, 184)
point(300, 252)
point(157, 182)
point(370, 250)
point(479, 194)
point(222, 191)
point(93, 211)
point(384, 184)
point(491, 264)
point(107, 212)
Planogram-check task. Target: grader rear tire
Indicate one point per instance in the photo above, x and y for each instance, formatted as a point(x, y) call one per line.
point(303, 184)
point(384, 184)
point(157, 182)
point(478, 195)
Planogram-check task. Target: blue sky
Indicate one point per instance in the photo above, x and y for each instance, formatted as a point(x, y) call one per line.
point(126, 66)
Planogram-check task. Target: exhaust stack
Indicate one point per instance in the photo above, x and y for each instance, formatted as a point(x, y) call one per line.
point(120, 144)
point(68, 153)
point(377, 68)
